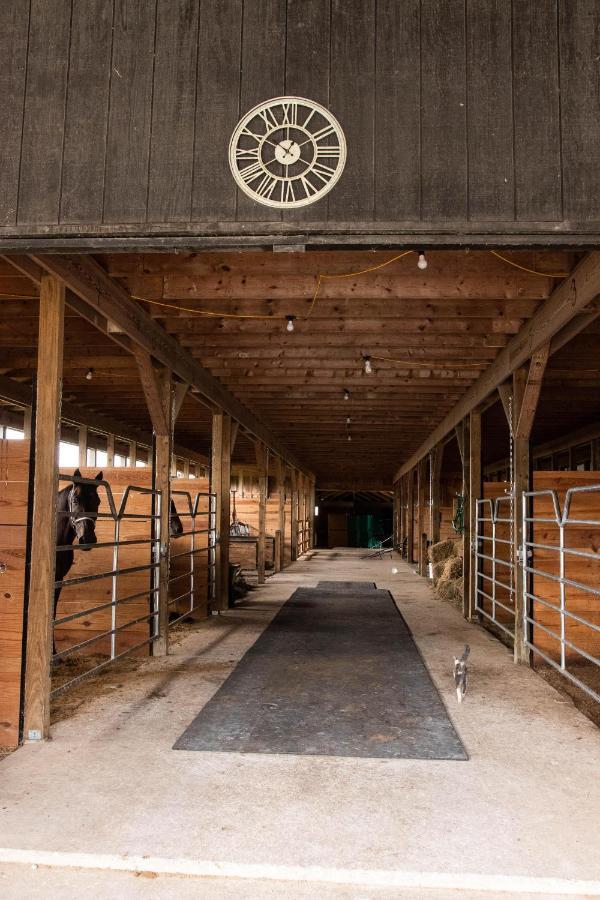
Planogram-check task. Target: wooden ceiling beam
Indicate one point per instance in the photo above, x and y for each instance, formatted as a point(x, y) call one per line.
point(342, 325)
point(572, 295)
point(102, 297)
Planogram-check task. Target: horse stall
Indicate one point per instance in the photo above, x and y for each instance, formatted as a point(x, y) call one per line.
point(108, 605)
point(243, 541)
point(14, 493)
point(562, 570)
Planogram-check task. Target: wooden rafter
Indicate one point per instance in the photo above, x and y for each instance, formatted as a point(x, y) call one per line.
point(573, 294)
point(104, 297)
point(531, 394)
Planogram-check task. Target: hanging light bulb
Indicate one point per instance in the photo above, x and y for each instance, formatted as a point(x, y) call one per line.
point(422, 261)
point(346, 394)
point(89, 374)
point(368, 366)
point(290, 323)
point(349, 437)
point(348, 420)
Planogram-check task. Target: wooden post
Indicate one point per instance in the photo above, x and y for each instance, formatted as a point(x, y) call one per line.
point(311, 515)
point(157, 385)
point(422, 538)
point(262, 463)
point(221, 487)
point(43, 530)
point(435, 462)
point(280, 535)
point(402, 517)
point(520, 479)
point(294, 513)
point(162, 481)
point(475, 491)
point(83, 446)
point(110, 450)
point(410, 521)
point(465, 444)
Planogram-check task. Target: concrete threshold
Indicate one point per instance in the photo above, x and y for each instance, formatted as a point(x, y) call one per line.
point(316, 875)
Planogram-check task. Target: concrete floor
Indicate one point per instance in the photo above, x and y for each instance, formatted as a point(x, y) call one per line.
point(108, 792)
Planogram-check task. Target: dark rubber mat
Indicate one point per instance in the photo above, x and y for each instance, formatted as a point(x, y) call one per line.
point(335, 674)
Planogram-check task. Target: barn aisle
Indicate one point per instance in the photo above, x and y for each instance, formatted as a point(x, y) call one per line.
point(108, 788)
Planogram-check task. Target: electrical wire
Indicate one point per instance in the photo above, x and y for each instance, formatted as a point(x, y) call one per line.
point(525, 269)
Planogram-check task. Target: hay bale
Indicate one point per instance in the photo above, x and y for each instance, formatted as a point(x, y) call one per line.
point(453, 568)
point(451, 591)
point(442, 551)
point(437, 571)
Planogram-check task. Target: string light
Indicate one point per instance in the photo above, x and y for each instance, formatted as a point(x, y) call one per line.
point(368, 366)
point(348, 420)
point(290, 323)
point(89, 374)
point(422, 261)
point(346, 394)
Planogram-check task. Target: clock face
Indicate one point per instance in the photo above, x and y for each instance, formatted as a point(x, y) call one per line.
point(287, 152)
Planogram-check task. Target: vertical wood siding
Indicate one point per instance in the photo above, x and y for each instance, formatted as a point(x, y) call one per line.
point(119, 112)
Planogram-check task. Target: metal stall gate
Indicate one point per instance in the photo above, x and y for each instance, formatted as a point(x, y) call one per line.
point(495, 591)
point(132, 587)
point(561, 576)
point(192, 570)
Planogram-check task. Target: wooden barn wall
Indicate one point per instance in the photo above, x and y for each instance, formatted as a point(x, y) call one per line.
point(14, 489)
point(478, 115)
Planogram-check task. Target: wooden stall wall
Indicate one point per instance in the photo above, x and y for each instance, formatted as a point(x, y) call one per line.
point(450, 487)
point(584, 506)
point(14, 488)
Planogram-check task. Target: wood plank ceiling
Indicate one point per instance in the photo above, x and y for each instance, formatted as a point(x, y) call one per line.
point(429, 335)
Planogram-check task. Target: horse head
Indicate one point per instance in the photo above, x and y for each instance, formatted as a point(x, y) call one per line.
point(175, 523)
point(83, 510)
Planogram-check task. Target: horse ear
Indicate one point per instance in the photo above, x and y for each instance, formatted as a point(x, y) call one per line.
point(77, 473)
point(99, 476)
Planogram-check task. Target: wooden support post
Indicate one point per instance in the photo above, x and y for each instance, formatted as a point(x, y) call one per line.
point(43, 530)
point(475, 491)
point(157, 385)
point(262, 463)
point(280, 536)
point(110, 450)
point(464, 445)
point(401, 518)
point(294, 514)
point(422, 537)
point(395, 511)
point(83, 446)
point(311, 512)
point(162, 480)
point(520, 480)
point(410, 519)
point(435, 462)
point(221, 487)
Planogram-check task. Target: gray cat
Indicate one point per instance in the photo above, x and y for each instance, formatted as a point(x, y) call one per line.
point(460, 673)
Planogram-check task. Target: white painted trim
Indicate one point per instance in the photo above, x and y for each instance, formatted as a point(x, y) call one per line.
point(466, 881)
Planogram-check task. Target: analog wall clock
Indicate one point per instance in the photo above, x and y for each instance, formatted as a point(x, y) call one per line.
point(287, 152)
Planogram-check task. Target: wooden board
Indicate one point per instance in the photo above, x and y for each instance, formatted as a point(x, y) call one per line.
point(457, 116)
point(14, 488)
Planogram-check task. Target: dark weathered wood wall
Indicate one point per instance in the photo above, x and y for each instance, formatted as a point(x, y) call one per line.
point(460, 115)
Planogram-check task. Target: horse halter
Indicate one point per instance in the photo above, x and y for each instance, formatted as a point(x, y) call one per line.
point(73, 519)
